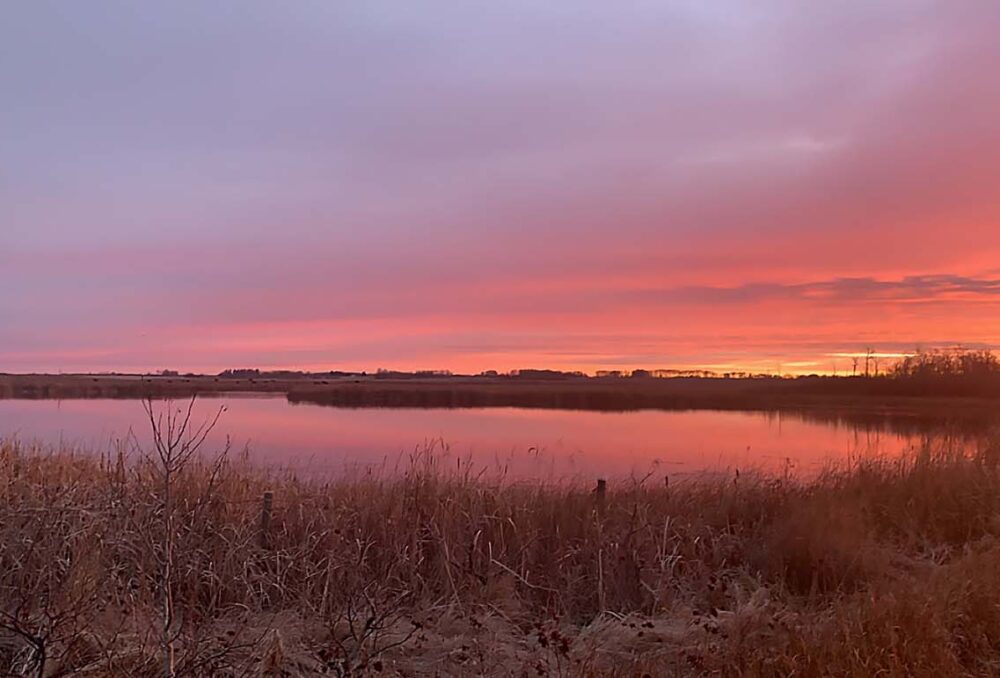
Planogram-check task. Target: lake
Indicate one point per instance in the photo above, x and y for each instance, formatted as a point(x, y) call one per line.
point(524, 443)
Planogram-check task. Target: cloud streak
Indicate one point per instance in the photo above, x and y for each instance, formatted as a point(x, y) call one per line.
point(850, 291)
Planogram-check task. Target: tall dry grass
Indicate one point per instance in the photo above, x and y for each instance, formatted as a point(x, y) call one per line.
point(880, 567)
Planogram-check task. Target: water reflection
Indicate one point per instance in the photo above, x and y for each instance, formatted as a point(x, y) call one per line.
point(525, 443)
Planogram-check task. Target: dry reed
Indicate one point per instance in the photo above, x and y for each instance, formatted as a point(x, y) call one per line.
point(880, 567)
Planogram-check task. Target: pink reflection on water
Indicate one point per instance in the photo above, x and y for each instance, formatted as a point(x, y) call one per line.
point(543, 444)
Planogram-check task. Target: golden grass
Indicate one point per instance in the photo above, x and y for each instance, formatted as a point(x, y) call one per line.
point(885, 567)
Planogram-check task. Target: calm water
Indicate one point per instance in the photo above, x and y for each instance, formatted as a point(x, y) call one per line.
point(548, 444)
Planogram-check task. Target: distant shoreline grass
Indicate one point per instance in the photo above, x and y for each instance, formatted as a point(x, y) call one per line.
point(888, 566)
point(956, 396)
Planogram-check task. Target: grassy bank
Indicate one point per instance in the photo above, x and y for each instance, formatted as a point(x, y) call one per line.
point(883, 568)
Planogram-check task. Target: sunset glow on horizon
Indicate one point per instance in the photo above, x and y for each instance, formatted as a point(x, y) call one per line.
point(474, 186)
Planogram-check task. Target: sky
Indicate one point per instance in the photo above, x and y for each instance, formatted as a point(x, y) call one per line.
point(767, 186)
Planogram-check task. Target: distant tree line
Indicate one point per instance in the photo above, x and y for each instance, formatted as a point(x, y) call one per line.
point(952, 371)
point(938, 373)
point(253, 373)
point(419, 374)
point(948, 364)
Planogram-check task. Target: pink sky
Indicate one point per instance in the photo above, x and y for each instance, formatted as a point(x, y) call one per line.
point(493, 186)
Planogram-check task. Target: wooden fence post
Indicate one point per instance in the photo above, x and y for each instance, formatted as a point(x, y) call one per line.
point(600, 496)
point(265, 519)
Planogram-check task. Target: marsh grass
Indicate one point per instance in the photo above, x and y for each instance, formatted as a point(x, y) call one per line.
point(878, 567)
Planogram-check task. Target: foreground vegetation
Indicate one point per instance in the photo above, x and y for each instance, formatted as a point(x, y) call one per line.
point(174, 561)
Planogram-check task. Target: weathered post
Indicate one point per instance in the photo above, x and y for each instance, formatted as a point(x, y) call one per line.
point(601, 494)
point(265, 519)
point(600, 497)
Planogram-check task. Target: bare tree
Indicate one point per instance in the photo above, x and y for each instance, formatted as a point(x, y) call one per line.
point(175, 442)
point(869, 356)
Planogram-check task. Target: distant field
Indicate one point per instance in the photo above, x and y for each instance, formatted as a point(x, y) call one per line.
point(874, 397)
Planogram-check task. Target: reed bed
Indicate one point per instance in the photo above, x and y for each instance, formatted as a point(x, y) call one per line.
point(878, 567)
